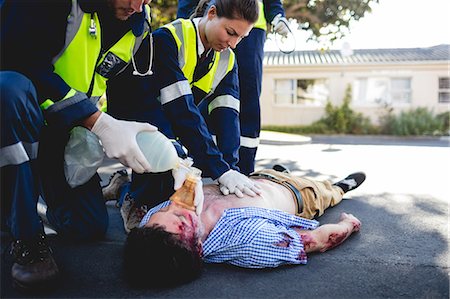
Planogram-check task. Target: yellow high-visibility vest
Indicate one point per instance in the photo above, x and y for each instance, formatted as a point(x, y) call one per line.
point(82, 63)
point(185, 37)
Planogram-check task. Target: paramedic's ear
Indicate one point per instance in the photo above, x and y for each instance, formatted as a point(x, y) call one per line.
point(212, 12)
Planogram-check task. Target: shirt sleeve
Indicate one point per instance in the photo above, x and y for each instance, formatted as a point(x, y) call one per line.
point(272, 246)
point(186, 8)
point(223, 117)
point(179, 107)
point(272, 8)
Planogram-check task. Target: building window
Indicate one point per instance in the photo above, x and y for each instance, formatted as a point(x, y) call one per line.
point(444, 90)
point(382, 90)
point(310, 92)
point(284, 91)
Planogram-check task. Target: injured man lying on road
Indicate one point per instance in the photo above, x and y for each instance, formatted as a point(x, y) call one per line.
point(271, 229)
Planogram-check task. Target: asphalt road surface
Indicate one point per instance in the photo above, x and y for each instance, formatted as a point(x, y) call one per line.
point(401, 251)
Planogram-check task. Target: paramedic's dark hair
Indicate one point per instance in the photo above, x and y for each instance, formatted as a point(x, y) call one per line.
point(230, 9)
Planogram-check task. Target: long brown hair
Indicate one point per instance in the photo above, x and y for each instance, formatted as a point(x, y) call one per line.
point(231, 9)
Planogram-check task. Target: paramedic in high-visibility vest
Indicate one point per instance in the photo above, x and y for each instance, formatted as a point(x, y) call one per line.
point(194, 67)
point(56, 59)
point(249, 57)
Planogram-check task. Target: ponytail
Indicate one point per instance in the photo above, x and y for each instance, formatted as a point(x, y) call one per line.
point(201, 9)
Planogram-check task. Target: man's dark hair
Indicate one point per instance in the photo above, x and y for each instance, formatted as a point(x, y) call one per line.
point(156, 251)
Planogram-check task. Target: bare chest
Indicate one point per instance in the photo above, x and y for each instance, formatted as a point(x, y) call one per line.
point(273, 196)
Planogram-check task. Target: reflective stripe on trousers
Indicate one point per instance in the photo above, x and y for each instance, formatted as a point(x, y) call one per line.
point(79, 213)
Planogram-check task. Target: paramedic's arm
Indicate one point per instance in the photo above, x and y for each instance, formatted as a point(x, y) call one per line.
point(223, 116)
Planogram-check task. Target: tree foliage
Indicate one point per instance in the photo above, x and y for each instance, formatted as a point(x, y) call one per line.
point(163, 12)
point(327, 20)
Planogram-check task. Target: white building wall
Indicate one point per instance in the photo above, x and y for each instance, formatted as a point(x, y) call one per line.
point(424, 87)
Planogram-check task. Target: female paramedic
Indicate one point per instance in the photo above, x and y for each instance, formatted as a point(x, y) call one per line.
point(194, 74)
point(249, 57)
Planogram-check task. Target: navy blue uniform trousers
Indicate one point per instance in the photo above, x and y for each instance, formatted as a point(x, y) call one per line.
point(249, 56)
point(78, 213)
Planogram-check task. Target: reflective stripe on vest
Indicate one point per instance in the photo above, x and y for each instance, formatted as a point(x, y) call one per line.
point(185, 37)
point(76, 64)
point(262, 22)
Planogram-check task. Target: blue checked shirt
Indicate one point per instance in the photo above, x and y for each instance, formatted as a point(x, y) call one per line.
point(253, 237)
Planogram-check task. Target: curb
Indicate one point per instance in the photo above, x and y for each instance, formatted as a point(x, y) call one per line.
point(279, 138)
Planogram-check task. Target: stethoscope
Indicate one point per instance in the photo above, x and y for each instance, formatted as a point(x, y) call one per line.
point(149, 72)
point(279, 43)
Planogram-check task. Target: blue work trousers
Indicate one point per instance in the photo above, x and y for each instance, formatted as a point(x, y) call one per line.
point(32, 165)
point(249, 56)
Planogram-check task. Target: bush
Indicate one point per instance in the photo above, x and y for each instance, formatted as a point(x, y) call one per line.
point(419, 121)
point(444, 119)
point(343, 120)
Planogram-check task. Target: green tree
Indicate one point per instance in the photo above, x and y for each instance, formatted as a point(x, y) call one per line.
point(163, 12)
point(325, 19)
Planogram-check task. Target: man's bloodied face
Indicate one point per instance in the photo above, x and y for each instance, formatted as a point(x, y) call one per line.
point(179, 221)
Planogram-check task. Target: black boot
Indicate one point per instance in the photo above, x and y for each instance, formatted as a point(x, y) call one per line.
point(34, 267)
point(351, 182)
point(281, 168)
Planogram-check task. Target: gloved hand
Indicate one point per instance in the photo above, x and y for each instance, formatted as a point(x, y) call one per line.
point(280, 25)
point(180, 174)
point(199, 197)
point(235, 182)
point(118, 138)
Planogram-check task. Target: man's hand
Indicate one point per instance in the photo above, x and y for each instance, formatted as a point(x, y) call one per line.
point(180, 174)
point(237, 183)
point(118, 138)
point(280, 25)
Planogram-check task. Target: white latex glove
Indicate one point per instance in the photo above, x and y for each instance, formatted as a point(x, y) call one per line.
point(180, 174)
point(199, 197)
point(118, 138)
point(280, 25)
point(235, 182)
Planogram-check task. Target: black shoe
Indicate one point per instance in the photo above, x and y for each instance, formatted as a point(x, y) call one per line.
point(351, 182)
point(112, 190)
point(34, 267)
point(281, 168)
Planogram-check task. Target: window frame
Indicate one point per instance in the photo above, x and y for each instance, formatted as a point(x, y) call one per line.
point(443, 90)
point(293, 93)
point(389, 99)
